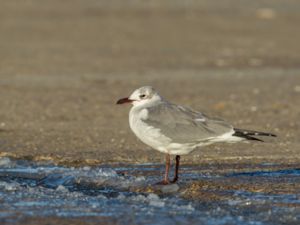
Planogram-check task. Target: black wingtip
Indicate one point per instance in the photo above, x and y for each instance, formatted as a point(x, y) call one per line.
point(248, 134)
point(247, 137)
point(253, 133)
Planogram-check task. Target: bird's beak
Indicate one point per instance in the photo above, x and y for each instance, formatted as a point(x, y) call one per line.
point(124, 100)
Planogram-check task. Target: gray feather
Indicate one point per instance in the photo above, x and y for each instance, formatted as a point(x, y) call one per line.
point(184, 125)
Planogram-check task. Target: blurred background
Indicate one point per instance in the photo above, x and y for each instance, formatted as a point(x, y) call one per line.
point(63, 65)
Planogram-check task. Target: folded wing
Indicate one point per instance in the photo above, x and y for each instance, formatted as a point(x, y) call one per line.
point(184, 125)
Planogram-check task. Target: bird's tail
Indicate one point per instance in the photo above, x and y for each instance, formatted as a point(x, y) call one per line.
point(248, 134)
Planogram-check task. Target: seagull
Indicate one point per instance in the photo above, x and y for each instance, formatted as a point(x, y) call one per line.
point(177, 130)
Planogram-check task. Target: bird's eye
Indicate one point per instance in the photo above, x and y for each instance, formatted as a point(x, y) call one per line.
point(142, 96)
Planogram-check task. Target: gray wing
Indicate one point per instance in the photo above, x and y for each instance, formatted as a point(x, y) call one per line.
point(184, 125)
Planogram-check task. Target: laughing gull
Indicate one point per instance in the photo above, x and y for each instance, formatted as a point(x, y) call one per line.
point(177, 130)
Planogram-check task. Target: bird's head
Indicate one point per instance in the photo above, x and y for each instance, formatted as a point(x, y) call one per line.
point(143, 96)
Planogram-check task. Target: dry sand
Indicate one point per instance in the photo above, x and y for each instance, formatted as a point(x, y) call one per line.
point(65, 63)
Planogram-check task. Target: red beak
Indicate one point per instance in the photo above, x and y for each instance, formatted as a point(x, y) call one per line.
point(124, 100)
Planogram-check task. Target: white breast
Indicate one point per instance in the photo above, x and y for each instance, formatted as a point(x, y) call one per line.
point(153, 137)
point(147, 134)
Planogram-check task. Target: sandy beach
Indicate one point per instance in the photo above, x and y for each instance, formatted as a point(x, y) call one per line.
point(63, 68)
point(64, 64)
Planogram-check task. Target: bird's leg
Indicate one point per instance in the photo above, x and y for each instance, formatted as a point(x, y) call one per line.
point(176, 169)
point(166, 178)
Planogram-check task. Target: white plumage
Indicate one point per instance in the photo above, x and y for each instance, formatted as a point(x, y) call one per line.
point(177, 130)
point(173, 129)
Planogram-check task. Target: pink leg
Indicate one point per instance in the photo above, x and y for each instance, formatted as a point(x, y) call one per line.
point(166, 178)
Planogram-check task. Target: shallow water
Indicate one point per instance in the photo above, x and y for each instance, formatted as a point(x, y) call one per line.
point(125, 195)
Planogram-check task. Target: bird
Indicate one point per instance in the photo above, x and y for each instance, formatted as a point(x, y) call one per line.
point(178, 130)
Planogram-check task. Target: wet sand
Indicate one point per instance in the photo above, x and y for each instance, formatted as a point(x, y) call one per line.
point(207, 194)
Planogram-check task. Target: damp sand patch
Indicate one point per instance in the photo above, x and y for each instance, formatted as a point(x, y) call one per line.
point(127, 194)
